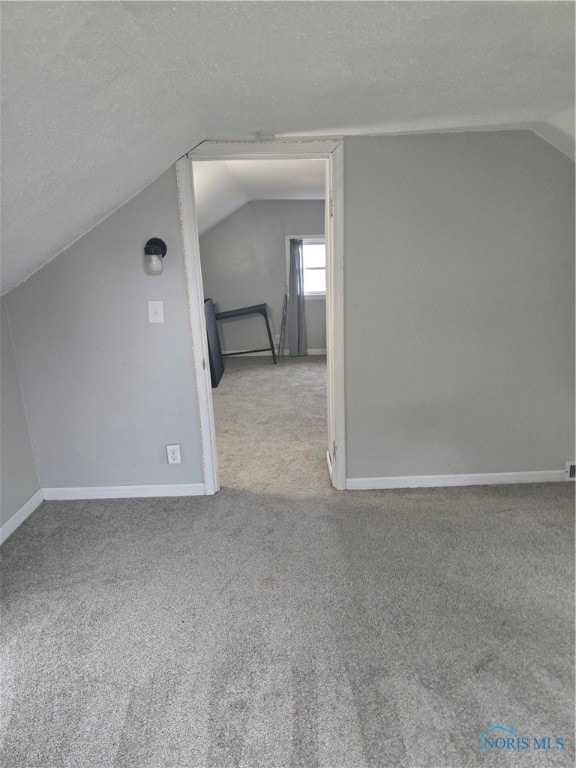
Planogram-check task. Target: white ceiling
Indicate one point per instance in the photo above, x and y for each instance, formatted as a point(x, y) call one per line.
point(98, 99)
point(223, 186)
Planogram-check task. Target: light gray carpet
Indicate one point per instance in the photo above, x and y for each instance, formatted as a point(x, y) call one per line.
point(271, 429)
point(268, 628)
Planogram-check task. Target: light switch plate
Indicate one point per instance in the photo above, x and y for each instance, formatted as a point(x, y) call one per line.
point(155, 311)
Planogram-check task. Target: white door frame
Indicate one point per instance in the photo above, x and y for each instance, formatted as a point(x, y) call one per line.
point(195, 293)
point(274, 149)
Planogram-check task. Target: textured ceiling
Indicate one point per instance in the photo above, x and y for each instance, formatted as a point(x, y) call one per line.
point(223, 186)
point(98, 99)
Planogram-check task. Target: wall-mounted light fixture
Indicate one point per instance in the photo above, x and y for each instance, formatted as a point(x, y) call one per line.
point(154, 251)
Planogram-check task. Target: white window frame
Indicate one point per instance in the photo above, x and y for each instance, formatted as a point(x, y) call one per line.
point(309, 238)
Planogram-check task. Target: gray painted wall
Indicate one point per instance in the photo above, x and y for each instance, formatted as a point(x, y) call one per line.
point(244, 263)
point(105, 391)
point(459, 302)
point(17, 468)
point(459, 279)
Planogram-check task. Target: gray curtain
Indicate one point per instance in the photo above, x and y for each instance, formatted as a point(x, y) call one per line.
point(296, 315)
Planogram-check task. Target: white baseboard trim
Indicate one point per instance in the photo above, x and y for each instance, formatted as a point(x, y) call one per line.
point(440, 481)
point(123, 492)
point(329, 462)
point(269, 354)
point(98, 492)
point(311, 352)
point(18, 517)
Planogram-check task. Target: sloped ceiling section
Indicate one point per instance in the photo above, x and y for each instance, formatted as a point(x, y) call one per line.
point(217, 192)
point(223, 186)
point(559, 131)
point(100, 98)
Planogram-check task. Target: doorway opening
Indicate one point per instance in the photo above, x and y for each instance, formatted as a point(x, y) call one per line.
point(259, 428)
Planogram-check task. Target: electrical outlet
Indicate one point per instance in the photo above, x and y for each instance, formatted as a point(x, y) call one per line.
point(173, 453)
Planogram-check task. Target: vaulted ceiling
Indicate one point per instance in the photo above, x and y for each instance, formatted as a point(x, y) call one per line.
point(98, 99)
point(223, 186)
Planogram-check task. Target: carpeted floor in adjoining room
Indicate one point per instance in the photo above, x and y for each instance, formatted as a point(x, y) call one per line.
point(273, 626)
point(271, 424)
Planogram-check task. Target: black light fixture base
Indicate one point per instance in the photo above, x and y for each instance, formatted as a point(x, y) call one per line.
point(155, 247)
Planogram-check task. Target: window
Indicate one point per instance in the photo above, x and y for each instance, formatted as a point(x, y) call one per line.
point(314, 258)
point(314, 252)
